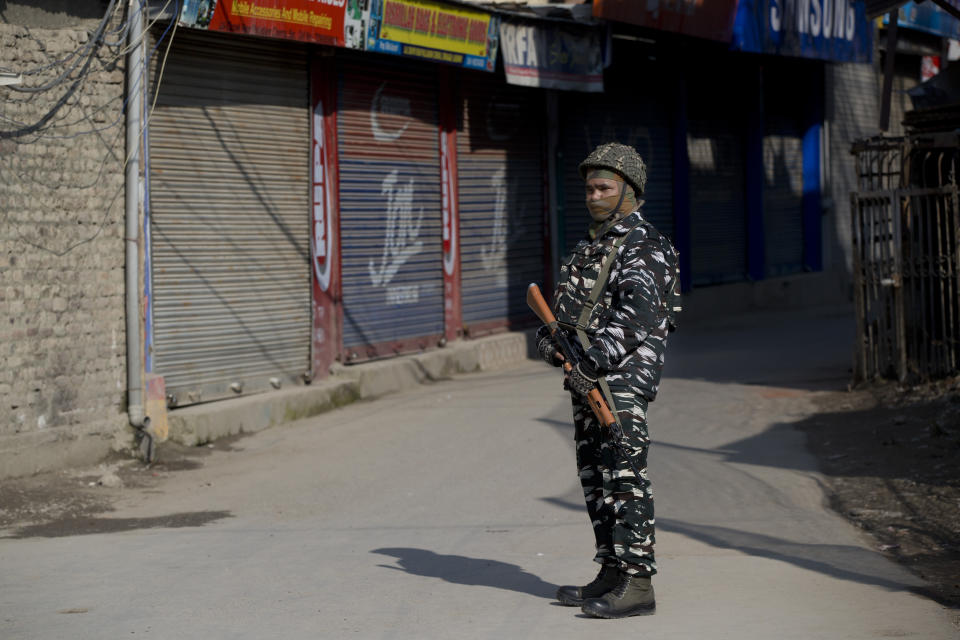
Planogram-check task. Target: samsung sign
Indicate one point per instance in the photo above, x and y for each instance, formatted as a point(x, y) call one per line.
point(836, 30)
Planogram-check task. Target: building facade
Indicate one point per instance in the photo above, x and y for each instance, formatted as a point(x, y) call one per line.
point(352, 192)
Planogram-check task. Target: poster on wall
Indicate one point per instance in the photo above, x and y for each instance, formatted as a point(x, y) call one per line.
point(316, 21)
point(552, 56)
point(433, 31)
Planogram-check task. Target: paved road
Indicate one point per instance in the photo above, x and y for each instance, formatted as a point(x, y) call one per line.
point(454, 512)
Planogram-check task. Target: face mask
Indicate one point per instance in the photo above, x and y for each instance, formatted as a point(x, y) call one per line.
point(619, 205)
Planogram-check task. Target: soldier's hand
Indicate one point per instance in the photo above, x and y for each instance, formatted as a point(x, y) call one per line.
point(547, 348)
point(582, 379)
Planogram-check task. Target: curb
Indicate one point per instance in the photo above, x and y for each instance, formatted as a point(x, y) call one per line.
point(200, 424)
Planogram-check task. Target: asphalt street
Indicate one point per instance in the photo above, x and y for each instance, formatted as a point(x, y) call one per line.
point(454, 511)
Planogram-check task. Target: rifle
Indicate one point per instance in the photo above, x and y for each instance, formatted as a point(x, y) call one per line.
point(571, 358)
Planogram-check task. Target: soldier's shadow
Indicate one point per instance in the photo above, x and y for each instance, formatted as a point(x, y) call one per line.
point(469, 571)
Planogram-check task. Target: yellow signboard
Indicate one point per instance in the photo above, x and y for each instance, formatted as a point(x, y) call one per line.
point(435, 26)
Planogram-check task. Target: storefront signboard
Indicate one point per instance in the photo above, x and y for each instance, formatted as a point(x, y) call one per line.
point(551, 56)
point(834, 30)
point(433, 31)
point(317, 21)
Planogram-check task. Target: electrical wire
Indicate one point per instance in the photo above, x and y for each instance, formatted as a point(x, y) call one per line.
point(93, 44)
point(120, 191)
point(121, 29)
point(87, 117)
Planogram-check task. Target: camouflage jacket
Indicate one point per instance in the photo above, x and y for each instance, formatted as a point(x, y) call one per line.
point(628, 326)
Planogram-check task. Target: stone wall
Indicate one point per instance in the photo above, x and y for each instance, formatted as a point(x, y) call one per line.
point(62, 343)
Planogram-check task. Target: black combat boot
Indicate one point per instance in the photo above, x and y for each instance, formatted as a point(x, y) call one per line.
point(633, 596)
point(571, 596)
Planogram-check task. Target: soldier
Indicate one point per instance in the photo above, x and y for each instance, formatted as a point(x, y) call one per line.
point(616, 298)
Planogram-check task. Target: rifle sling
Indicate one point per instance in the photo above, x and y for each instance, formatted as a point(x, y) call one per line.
point(583, 321)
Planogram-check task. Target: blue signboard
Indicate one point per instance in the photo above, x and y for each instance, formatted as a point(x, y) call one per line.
point(927, 17)
point(835, 30)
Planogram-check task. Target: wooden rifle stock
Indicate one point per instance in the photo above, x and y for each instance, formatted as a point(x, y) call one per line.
point(539, 306)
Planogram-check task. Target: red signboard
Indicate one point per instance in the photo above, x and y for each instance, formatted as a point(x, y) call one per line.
point(319, 21)
point(712, 20)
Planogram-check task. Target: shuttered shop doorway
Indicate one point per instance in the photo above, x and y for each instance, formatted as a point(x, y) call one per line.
point(501, 190)
point(639, 120)
point(782, 195)
point(229, 160)
point(390, 215)
point(715, 147)
point(784, 106)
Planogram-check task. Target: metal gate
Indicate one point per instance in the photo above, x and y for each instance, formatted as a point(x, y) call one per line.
point(390, 209)
point(906, 262)
point(229, 205)
point(500, 175)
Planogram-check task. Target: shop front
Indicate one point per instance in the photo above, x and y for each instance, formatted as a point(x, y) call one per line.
point(229, 148)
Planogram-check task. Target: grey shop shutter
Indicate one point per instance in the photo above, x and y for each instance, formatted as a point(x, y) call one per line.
point(229, 203)
point(390, 209)
point(641, 120)
point(853, 111)
point(501, 189)
point(782, 195)
point(718, 231)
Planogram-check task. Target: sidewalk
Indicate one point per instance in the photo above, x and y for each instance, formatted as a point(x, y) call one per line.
point(204, 423)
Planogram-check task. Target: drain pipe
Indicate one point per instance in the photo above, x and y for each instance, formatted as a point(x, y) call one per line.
point(135, 405)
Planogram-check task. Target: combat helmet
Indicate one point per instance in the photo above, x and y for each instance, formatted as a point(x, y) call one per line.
point(620, 158)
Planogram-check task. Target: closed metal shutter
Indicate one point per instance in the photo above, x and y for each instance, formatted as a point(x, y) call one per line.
point(715, 137)
point(641, 120)
point(501, 190)
point(390, 209)
point(782, 195)
point(229, 205)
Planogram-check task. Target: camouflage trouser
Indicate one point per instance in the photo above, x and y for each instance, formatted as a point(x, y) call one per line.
point(619, 504)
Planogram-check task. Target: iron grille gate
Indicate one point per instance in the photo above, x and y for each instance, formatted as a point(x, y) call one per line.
point(905, 241)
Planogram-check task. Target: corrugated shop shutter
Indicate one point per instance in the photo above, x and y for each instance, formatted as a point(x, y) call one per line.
point(715, 137)
point(641, 120)
point(229, 205)
point(501, 184)
point(390, 209)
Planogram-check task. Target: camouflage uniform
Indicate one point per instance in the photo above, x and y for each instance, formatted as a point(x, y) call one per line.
point(627, 332)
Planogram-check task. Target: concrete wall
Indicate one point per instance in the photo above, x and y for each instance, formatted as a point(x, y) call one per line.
point(852, 112)
point(62, 349)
